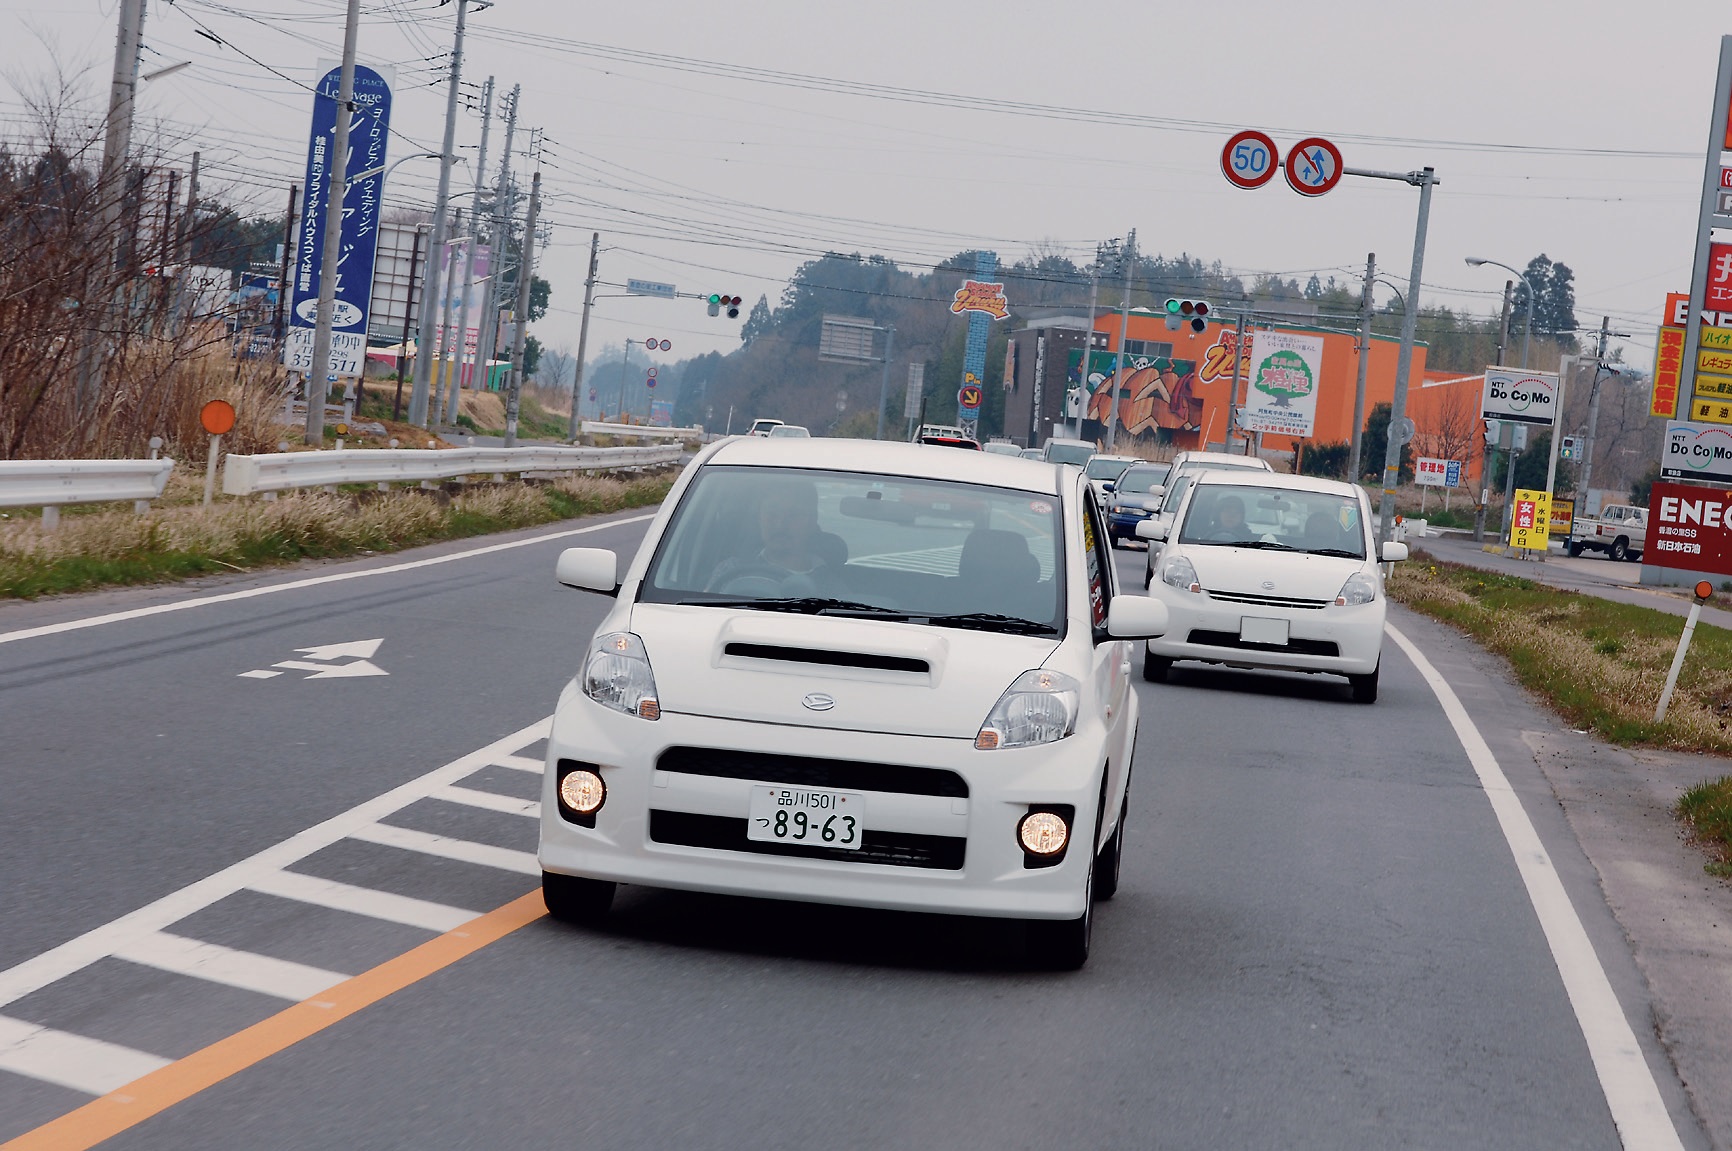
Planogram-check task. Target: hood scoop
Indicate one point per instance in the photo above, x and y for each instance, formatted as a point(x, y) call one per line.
point(827, 658)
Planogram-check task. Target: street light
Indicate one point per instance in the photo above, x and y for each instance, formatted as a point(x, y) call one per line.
point(1528, 313)
point(1507, 439)
point(387, 169)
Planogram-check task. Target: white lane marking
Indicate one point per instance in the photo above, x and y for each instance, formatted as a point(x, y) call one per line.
point(367, 901)
point(259, 674)
point(488, 801)
point(100, 942)
point(67, 1060)
point(462, 850)
point(521, 763)
point(1631, 1091)
point(313, 581)
point(218, 964)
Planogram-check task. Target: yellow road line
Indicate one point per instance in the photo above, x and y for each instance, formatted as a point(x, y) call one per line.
point(152, 1094)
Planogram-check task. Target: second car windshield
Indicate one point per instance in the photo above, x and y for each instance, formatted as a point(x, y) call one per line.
point(862, 544)
point(1285, 519)
point(1139, 481)
point(1102, 468)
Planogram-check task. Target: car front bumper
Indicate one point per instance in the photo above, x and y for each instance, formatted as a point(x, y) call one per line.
point(1201, 627)
point(637, 832)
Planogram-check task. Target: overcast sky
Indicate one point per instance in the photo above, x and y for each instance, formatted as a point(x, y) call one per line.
point(1574, 129)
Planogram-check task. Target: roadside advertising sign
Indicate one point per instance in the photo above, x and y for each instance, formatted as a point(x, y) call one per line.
point(1668, 371)
point(1286, 367)
point(1521, 397)
point(1711, 410)
point(1430, 473)
point(916, 389)
point(369, 131)
point(1530, 525)
point(1688, 528)
point(979, 296)
point(1711, 261)
point(1563, 517)
point(1694, 452)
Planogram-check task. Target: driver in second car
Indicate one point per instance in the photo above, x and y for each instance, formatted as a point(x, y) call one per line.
point(788, 531)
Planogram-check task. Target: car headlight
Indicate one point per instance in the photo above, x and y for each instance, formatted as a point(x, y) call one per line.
point(617, 675)
point(1178, 572)
point(1040, 707)
point(1359, 588)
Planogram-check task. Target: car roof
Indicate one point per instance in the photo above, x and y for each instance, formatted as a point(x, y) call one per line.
point(1067, 440)
point(1279, 480)
point(1227, 459)
point(889, 457)
point(1141, 464)
point(1117, 459)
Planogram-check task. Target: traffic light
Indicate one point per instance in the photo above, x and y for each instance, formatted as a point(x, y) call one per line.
point(1196, 312)
point(731, 303)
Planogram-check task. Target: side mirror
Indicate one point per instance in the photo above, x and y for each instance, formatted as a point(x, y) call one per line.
point(1392, 552)
point(1157, 491)
point(1136, 617)
point(589, 569)
point(1108, 486)
point(1151, 530)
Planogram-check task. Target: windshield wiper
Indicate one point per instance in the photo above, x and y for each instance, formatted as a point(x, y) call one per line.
point(804, 605)
point(1272, 544)
point(989, 621)
point(1342, 552)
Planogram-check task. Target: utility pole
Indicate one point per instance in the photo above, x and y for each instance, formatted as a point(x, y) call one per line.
point(430, 289)
point(408, 306)
point(884, 382)
point(1127, 258)
point(520, 330)
point(583, 334)
point(624, 364)
point(486, 338)
point(182, 247)
point(1485, 456)
point(445, 332)
point(1426, 180)
point(317, 382)
point(110, 191)
point(1088, 342)
point(1594, 408)
point(469, 254)
point(283, 270)
point(1358, 433)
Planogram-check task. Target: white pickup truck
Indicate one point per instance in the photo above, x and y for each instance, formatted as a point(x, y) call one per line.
point(1620, 530)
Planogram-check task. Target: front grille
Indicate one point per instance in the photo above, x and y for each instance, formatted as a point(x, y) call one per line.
point(1269, 600)
point(1296, 646)
point(725, 833)
point(810, 771)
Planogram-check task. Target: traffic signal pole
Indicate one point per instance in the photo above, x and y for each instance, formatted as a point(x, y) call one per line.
point(1358, 434)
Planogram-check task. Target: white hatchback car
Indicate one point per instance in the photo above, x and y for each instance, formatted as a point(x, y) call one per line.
point(1272, 571)
point(854, 672)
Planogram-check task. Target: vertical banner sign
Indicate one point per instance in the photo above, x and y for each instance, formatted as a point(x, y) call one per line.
point(916, 390)
point(1039, 390)
point(369, 130)
point(1285, 369)
point(1530, 524)
point(1669, 364)
point(984, 302)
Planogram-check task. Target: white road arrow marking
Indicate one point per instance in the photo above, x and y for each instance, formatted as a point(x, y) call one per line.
point(333, 671)
point(317, 662)
point(360, 649)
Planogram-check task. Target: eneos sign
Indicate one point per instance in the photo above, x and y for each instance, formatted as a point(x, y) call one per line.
point(1689, 528)
point(1524, 397)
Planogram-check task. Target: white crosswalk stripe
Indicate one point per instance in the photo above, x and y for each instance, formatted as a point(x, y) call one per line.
point(463, 850)
point(362, 901)
point(218, 964)
point(488, 801)
point(67, 1060)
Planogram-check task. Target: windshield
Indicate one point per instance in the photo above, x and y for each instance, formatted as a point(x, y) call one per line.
point(1140, 481)
point(1105, 468)
point(1321, 523)
point(1069, 453)
point(875, 546)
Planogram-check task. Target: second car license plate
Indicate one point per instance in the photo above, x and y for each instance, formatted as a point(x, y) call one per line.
point(1255, 630)
point(811, 816)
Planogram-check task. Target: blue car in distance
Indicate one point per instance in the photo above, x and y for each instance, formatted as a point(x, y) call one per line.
point(1135, 495)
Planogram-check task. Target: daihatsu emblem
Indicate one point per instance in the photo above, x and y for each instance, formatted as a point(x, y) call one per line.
point(1268, 585)
point(818, 701)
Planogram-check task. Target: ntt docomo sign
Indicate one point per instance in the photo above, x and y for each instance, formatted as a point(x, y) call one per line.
point(1689, 528)
point(1525, 397)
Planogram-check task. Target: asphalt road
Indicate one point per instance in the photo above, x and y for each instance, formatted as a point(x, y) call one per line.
point(1322, 938)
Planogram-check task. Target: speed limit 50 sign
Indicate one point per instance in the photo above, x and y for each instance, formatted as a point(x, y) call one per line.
point(1250, 160)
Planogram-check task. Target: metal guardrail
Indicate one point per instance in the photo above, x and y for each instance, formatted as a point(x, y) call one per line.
point(51, 484)
point(247, 475)
point(596, 428)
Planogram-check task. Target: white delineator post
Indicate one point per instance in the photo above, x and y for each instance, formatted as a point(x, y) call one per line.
point(1704, 589)
point(216, 443)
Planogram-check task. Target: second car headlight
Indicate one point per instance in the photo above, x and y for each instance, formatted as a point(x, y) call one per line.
point(617, 674)
point(1040, 707)
point(1178, 572)
point(1359, 588)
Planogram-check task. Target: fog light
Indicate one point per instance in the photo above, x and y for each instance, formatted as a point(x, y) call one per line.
point(583, 792)
point(1042, 833)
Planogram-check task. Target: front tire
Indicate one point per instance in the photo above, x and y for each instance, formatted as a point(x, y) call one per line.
point(1063, 944)
point(573, 899)
point(1620, 549)
point(1156, 667)
point(1575, 549)
point(1365, 686)
point(1112, 854)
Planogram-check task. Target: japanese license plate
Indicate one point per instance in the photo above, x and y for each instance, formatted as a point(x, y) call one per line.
point(811, 816)
point(1270, 631)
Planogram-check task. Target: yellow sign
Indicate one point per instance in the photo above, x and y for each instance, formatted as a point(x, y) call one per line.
point(1711, 411)
point(1708, 360)
point(1716, 386)
point(1720, 339)
point(1562, 513)
point(1530, 526)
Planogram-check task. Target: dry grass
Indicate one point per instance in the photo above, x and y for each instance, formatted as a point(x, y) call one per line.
point(108, 547)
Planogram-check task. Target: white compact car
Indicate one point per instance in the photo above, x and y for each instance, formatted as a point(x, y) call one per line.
point(1271, 571)
point(854, 672)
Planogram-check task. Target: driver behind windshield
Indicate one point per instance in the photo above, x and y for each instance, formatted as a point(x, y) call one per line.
point(1229, 526)
point(788, 532)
